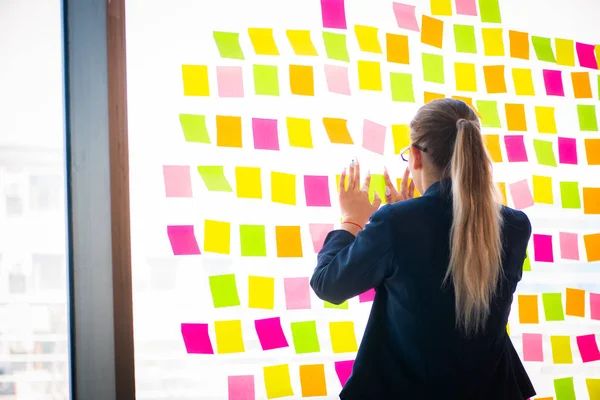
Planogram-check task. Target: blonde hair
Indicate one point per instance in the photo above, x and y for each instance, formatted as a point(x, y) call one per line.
point(450, 131)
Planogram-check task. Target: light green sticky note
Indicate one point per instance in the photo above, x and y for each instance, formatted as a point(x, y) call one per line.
point(527, 262)
point(543, 48)
point(335, 46)
point(564, 389)
point(228, 44)
point(304, 336)
point(488, 110)
point(587, 118)
point(402, 87)
point(252, 241)
point(214, 178)
point(224, 290)
point(433, 68)
point(343, 306)
point(464, 39)
point(544, 152)
point(569, 194)
point(553, 306)
point(266, 80)
point(194, 128)
point(377, 184)
point(490, 11)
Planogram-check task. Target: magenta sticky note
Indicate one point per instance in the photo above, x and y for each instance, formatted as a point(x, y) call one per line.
point(230, 81)
point(542, 248)
point(588, 348)
point(521, 194)
point(567, 151)
point(316, 191)
point(333, 13)
point(270, 334)
point(374, 136)
point(406, 17)
point(241, 387)
point(466, 7)
point(586, 55)
point(343, 369)
point(297, 293)
point(183, 240)
point(553, 82)
point(196, 338)
point(569, 246)
point(337, 79)
point(265, 133)
point(367, 296)
point(515, 148)
point(178, 181)
point(532, 347)
point(595, 306)
point(318, 233)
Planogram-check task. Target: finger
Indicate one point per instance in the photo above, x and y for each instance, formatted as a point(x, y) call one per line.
point(342, 181)
point(404, 185)
point(411, 189)
point(386, 177)
point(351, 176)
point(356, 173)
point(376, 201)
point(390, 189)
point(367, 182)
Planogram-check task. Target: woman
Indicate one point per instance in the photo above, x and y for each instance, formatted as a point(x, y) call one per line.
point(444, 266)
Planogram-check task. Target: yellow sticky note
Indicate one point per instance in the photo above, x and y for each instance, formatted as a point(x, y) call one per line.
point(248, 183)
point(400, 136)
point(544, 118)
point(369, 75)
point(261, 292)
point(195, 80)
point(368, 39)
point(263, 41)
point(299, 132)
point(277, 381)
point(492, 143)
point(561, 350)
point(289, 241)
point(217, 237)
point(283, 188)
point(542, 190)
point(523, 81)
point(337, 182)
point(493, 42)
point(465, 76)
point(343, 339)
point(229, 337)
point(502, 190)
point(565, 52)
point(301, 42)
point(441, 7)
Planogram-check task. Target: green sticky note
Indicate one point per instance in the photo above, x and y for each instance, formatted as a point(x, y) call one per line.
point(194, 128)
point(335, 46)
point(553, 306)
point(402, 87)
point(224, 290)
point(587, 118)
point(214, 178)
point(464, 39)
point(527, 262)
point(228, 44)
point(304, 336)
point(490, 11)
point(266, 80)
point(252, 241)
point(433, 68)
point(569, 194)
point(377, 184)
point(564, 389)
point(543, 48)
point(343, 306)
point(544, 152)
point(488, 110)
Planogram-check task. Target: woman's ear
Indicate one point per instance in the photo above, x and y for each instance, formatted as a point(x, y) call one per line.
point(416, 158)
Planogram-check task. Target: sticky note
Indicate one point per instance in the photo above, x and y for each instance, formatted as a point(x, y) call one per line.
point(241, 387)
point(228, 44)
point(196, 338)
point(544, 118)
point(528, 309)
point(283, 188)
point(490, 11)
point(502, 189)
point(229, 336)
point(595, 301)
point(565, 52)
point(299, 132)
point(263, 41)
point(289, 241)
point(527, 262)
point(224, 291)
point(396, 47)
point(588, 348)
point(400, 137)
point(544, 152)
point(374, 136)
point(433, 68)
point(297, 293)
point(261, 292)
point(553, 82)
point(564, 388)
point(521, 194)
point(335, 46)
point(542, 190)
point(229, 131)
point(575, 302)
point(441, 7)
point(301, 42)
point(489, 114)
point(553, 306)
point(591, 200)
point(316, 191)
point(523, 82)
point(230, 82)
point(312, 380)
point(337, 130)
point(586, 55)
point(252, 241)
point(248, 183)
point(582, 89)
point(343, 339)
point(343, 306)
point(593, 387)
point(277, 377)
point(183, 240)
point(304, 336)
point(542, 246)
point(377, 185)
point(270, 334)
point(368, 38)
point(493, 42)
point(592, 151)
point(302, 80)
point(569, 246)
point(217, 237)
point(592, 246)
point(265, 134)
point(343, 370)
point(195, 80)
point(515, 117)
point(492, 143)
point(430, 96)
point(569, 193)
point(369, 75)
point(519, 44)
point(587, 118)
point(567, 151)
point(337, 79)
point(532, 347)
point(561, 350)
point(401, 85)
point(194, 128)
point(432, 31)
point(494, 78)
point(318, 232)
point(465, 77)
point(367, 296)
point(405, 16)
point(466, 7)
point(543, 49)
point(178, 181)
point(399, 184)
point(464, 39)
point(515, 148)
point(333, 13)
point(266, 80)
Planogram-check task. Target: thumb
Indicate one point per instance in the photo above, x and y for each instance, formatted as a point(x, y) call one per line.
point(376, 200)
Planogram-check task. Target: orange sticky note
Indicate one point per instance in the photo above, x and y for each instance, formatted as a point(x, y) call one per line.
point(502, 189)
point(575, 302)
point(430, 96)
point(592, 151)
point(301, 80)
point(397, 48)
point(581, 85)
point(229, 131)
point(195, 80)
point(468, 101)
point(337, 130)
point(492, 143)
point(592, 246)
point(494, 78)
point(519, 44)
point(432, 31)
point(289, 241)
point(591, 200)
point(528, 309)
point(312, 380)
point(515, 117)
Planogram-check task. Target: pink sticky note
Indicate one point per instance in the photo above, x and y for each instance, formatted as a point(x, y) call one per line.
point(542, 248)
point(466, 7)
point(265, 134)
point(515, 148)
point(270, 334)
point(595, 306)
point(521, 194)
point(178, 181)
point(183, 240)
point(333, 13)
point(337, 79)
point(196, 339)
point(316, 191)
point(586, 55)
point(241, 387)
point(343, 369)
point(230, 81)
point(532, 347)
point(405, 16)
point(374, 136)
point(318, 233)
point(297, 293)
point(567, 150)
point(367, 296)
point(569, 246)
point(588, 348)
point(553, 82)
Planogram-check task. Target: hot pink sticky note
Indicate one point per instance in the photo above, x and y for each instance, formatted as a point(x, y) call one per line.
point(466, 7)
point(265, 134)
point(270, 334)
point(343, 369)
point(241, 387)
point(586, 55)
point(595, 306)
point(337, 79)
point(230, 81)
point(542, 248)
point(183, 240)
point(374, 136)
point(196, 339)
point(316, 191)
point(367, 296)
point(318, 233)
point(405, 16)
point(588, 348)
point(515, 148)
point(553, 82)
point(567, 150)
point(569, 246)
point(333, 13)
point(178, 181)
point(532, 347)
point(297, 293)
point(521, 194)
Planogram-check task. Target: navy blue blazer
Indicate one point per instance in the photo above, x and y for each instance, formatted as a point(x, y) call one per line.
point(411, 348)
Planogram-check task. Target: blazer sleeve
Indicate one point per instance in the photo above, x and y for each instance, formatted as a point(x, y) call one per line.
point(348, 266)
